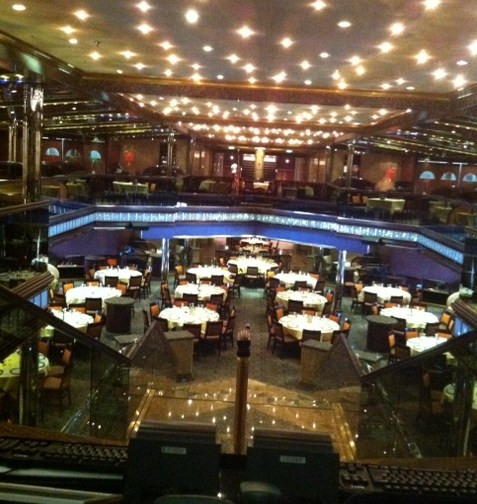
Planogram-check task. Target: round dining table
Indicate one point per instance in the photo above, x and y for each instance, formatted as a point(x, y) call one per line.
point(206, 272)
point(415, 319)
point(311, 300)
point(262, 264)
point(203, 291)
point(123, 274)
point(78, 295)
point(423, 343)
point(10, 370)
point(294, 324)
point(74, 318)
point(178, 316)
point(288, 279)
point(385, 293)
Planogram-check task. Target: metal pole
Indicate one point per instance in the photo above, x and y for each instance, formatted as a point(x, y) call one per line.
point(241, 387)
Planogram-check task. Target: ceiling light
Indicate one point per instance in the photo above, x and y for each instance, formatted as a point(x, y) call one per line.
point(431, 4)
point(422, 57)
point(73, 41)
point(249, 68)
point(355, 60)
point(462, 63)
point(143, 6)
point(307, 82)
point(360, 70)
point(196, 77)
point(344, 24)
point(168, 72)
point(207, 48)
point(245, 32)
point(18, 7)
point(305, 65)
point(95, 55)
point(252, 80)
point(67, 29)
point(173, 59)
point(286, 42)
point(220, 77)
point(440, 73)
point(318, 5)
point(145, 28)
point(233, 58)
point(279, 77)
point(473, 48)
point(165, 45)
point(192, 16)
point(459, 81)
point(385, 47)
point(127, 54)
point(324, 55)
point(82, 15)
point(396, 29)
point(139, 66)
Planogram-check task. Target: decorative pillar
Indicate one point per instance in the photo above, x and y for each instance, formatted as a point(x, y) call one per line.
point(328, 164)
point(259, 169)
point(241, 388)
point(170, 153)
point(28, 392)
point(31, 151)
point(165, 259)
point(340, 274)
point(349, 164)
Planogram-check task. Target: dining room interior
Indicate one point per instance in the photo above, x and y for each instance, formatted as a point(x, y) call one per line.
point(252, 226)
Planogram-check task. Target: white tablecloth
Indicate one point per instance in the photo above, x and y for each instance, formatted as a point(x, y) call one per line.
point(415, 319)
point(293, 325)
point(311, 300)
point(263, 265)
point(423, 343)
point(391, 204)
point(203, 291)
point(73, 318)
point(207, 272)
point(77, 295)
point(177, 317)
point(10, 366)
point(289, 279)
point(385, 293)
point(123, 274)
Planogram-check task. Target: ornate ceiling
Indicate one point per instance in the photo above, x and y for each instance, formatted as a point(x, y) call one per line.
point(283, 74)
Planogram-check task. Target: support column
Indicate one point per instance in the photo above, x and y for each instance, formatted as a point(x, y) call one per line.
point(170, 153)
point(28, 392)
point(165, 259)
point(339, 280)
point(349, 164)
point(259, 169)
point(31, 148)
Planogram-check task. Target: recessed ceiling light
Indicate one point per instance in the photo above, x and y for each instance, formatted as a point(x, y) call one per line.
point(462, 63)
point(145, 28)
point(207, 48)
point(324, 55)
point(422, 57)
point(192, 16)
point(318, 5)
point(286, 42)
point(95, 55)
point(18, 7)
point(143, 6)
point(344, 24)
point(73, 41)
point(431, 4)
point(385, 47)
point(233, 58)
point(245, 32)
point(82, 15)
point(396, 29)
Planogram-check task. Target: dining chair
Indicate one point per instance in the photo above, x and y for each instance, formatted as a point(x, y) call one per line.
point(217, 299)
point(66, 359)
point(95, 329)
point(300, 284)
point(146, 319)
point(163, 324)
point(310, 334)
point(57, 387)
point(217, 280)
point(93, 305)
point(154, 309)
point(111, 281)
point(236, 286)
point(78, 307)
point(213, 335)
point(295, 306)
point(284, 341)
point(195, 330)
point(228, 331)
point(191, 277)
point(431, 328)
point(397, 300)
point(319, 286)
point(191, 298)
point(134, 286)
point(252, 275)
point(369, 299)
point(67, 286)
point(233, 268)
point(165, 296)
